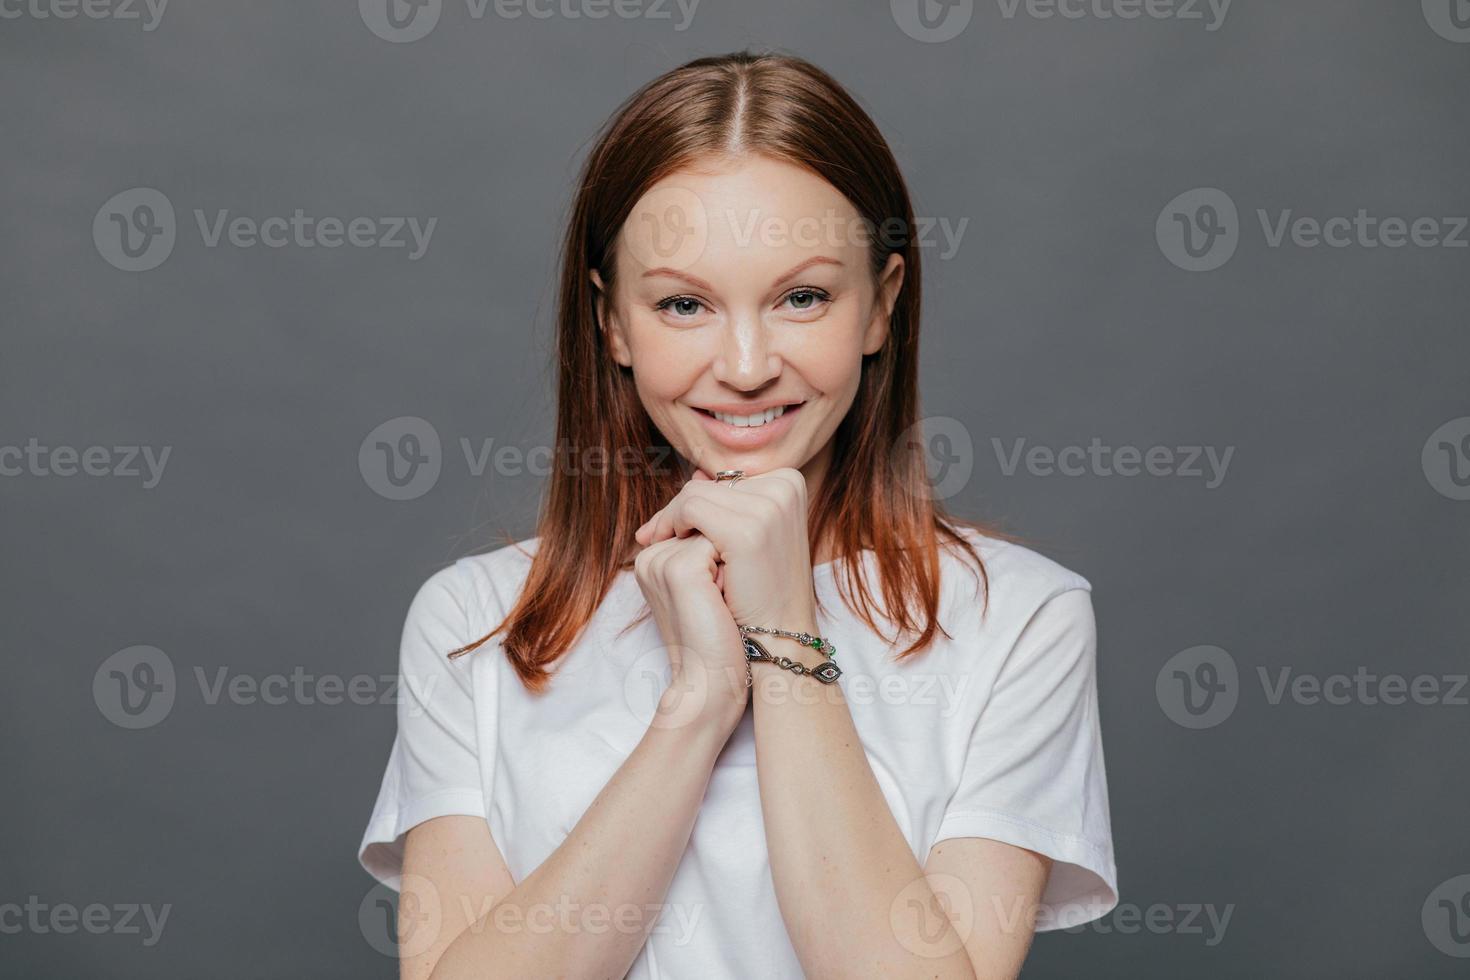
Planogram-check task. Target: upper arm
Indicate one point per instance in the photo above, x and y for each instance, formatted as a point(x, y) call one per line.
point(1025, 844)
point(429, 837)
point(453, 873)
point(989, 890)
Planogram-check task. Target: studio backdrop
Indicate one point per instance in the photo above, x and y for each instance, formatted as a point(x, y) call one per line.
point(276, 298)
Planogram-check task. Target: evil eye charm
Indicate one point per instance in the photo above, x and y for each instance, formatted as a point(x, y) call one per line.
point(753, 650)
point(827, 672)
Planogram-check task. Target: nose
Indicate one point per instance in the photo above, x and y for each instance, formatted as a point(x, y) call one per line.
point(747, 359)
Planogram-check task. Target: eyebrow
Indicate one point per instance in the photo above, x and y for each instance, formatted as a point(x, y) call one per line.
point(698, 283)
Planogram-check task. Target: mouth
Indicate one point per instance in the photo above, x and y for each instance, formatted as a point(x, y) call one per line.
point(752, 430)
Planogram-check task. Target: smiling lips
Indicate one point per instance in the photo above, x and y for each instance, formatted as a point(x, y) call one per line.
point(748, 430)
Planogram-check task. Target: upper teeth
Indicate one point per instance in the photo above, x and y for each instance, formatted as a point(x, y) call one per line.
point(745, 421)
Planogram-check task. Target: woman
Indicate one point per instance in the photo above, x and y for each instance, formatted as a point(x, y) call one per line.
point(898, 791)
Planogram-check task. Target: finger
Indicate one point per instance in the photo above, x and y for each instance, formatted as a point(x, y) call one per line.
point(658, 527)
point(709, 515)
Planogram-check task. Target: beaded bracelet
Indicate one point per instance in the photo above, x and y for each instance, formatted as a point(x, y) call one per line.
point(827, 672)
point(817, 643)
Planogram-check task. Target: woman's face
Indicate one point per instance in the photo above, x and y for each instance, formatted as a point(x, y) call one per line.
point(743, 302)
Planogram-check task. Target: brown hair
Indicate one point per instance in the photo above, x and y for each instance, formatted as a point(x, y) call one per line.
point(875, 494)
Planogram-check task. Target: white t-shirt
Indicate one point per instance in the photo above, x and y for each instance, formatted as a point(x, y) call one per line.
point(992, 734)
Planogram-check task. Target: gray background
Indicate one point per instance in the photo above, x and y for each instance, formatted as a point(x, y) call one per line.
point(265, 548)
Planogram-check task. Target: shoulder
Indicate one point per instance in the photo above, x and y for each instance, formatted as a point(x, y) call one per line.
point(457, 598)
point(1019, 580)
point(502, 570)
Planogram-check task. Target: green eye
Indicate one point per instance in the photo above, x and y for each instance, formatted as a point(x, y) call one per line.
point(683, 306)
point(805, 299)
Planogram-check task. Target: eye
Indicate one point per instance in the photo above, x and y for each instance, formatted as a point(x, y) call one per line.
point(682, 306)
point(806, 298)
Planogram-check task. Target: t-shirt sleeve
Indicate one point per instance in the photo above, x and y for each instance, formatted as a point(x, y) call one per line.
point(433, 767)
point(1033, 774)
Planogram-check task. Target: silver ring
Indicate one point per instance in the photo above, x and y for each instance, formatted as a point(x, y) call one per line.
point(734, 476)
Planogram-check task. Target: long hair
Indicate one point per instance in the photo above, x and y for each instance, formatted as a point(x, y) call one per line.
point(875, 495)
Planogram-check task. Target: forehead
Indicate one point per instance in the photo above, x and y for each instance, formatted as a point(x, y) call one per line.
point(751, 216)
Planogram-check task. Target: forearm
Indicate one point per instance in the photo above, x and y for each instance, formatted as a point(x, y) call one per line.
point(845, 877)
point(611, 872)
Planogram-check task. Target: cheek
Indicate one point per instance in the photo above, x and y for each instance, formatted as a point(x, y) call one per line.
point(665, 364)
point(830, 355)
